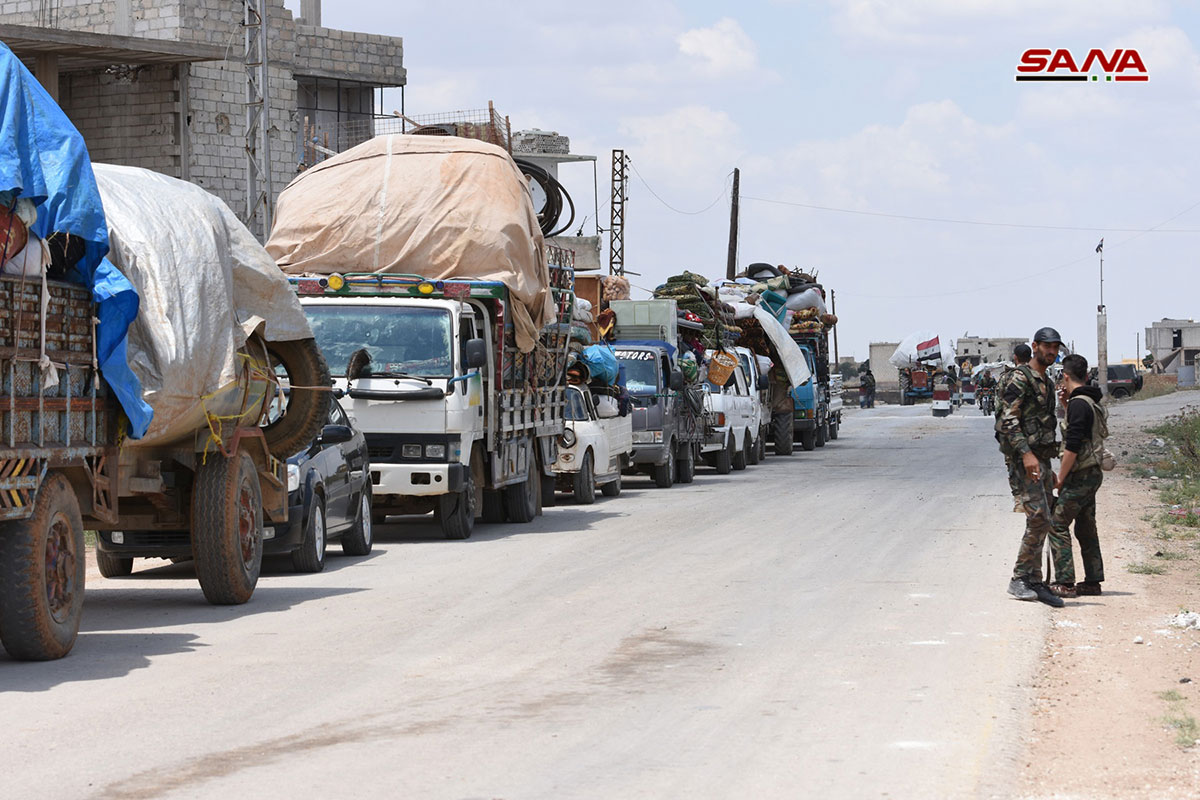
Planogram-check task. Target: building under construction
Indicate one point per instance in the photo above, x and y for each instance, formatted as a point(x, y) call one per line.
point(186, 87)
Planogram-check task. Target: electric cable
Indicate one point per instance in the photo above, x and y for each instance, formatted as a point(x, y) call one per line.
point(649, 188)
point(555, 192)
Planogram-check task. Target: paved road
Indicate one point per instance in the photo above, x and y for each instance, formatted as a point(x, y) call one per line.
point(832, 624)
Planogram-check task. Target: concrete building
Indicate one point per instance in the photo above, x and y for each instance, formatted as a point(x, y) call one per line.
point(159, 83)
point(982, 350)
point(1174, 343)
point(886, 376)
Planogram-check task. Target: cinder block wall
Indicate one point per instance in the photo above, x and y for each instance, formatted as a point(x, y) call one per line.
point(127, 121)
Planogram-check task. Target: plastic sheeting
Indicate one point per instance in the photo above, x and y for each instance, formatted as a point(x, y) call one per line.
point(906, 353)
point(601, 363)
point(206, 285)
point(794, 362)
point(43, 158)
point(438, 207)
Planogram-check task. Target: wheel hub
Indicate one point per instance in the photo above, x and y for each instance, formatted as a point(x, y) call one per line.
point(60, 569)
point(247, 527)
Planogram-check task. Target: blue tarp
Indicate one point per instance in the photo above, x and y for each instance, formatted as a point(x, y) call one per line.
point(601, 363)
point(43, 158)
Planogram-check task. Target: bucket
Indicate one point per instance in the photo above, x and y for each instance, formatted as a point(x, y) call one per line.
point(720, 367)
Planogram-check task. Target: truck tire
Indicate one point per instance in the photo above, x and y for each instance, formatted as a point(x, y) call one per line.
point(521, 499)
point(456, 512)
point(685, 465)
point(361, 537)
point(741, 458)
point(833, 429)
point(310, 555)
point(762, 443)
point(808, 440)
point(782, 432)
point(585, 481)
point(822, 434)
point(307, 408)
point(664, 474)
point(724, 459)
point(227, 528)
point(753, 448)
point(42, 572)
point(612, 488)
point(112, 566)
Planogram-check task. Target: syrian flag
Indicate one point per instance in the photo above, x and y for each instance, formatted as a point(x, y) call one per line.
point(929, 351)
point(1100, 247)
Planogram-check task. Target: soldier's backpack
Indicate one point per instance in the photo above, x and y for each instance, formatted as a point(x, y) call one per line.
point(1095, 453)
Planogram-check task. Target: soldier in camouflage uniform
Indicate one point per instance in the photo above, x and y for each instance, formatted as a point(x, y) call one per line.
point(1079, 478)
point(1021, 355)
point(1028, 430)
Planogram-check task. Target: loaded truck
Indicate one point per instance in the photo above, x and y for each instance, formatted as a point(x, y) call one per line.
point(733, 437)
point(188, 443)
point(668, 413)
point(817, 413)
point(445, 318)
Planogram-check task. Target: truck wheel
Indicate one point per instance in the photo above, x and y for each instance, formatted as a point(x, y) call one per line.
point(664, 474)
point(741, 458)
point(456, 512)
point(808, 440)
point(305, 410)
point(310, 555)
point(685, 465)
point(227, 528)
point(585, 481)
point(822, 433)
point(1119, 393)
point(549, 499)
point(762, 444)
point(752, 450)
point(359, 539)
point(493, 505)
point(724, 461)
point(42, 575)
point(612, 488)
point(520, 499)
point(782, 432)
point(112, 566)
point(833, 430)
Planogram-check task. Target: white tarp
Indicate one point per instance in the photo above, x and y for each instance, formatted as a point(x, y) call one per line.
point(440, 207)
point(906, 355)
point(794, 362)
point(205, 283)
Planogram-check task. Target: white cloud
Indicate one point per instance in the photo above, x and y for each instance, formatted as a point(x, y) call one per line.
point(686, 145)
point(724, 49)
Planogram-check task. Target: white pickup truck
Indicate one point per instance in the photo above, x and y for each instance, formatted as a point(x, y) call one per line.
point(734, 413)
point(595, 445)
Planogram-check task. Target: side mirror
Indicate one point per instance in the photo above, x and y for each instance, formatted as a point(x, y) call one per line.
point(475, 351)
point(763, 382)
point(335, 434)
point(677, 383)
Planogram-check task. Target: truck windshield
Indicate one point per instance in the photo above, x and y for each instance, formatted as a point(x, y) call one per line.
point(641, 371)
point(576, 406)
point(401, 340)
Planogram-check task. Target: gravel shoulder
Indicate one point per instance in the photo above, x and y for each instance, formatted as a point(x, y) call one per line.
point(1102, 695)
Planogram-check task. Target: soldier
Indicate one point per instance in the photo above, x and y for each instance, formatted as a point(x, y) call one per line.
point(1079, 478)
point(1028, 430)
point(1021, 355)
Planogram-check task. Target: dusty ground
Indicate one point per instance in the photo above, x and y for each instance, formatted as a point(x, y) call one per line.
point(1098, 726)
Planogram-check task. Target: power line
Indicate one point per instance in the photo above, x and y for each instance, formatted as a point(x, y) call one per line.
point(717, 199)
point(984, 223)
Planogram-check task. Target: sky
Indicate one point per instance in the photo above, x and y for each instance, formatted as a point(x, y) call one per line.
point(883, 110)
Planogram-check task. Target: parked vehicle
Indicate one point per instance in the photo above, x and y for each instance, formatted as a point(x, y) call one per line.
point(668, 415)
point(329, 497)
point(1124, 380)
point(915, 384)
point(754, 368)
point(594, 447)
point(735, 415)
point(815, 416)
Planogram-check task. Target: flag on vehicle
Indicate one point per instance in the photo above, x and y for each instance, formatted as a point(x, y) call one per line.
point(930, 350)
point(1100, 247)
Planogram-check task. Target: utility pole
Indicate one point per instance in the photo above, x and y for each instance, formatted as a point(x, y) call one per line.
point(837, 361)
point(616, 226)
point(260, 194)
point(1102, 330)
point(731, 264)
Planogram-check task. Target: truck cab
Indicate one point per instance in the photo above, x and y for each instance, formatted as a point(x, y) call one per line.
point(734, 414)
point(594, 447)
point(811, 406)
point(666, 429)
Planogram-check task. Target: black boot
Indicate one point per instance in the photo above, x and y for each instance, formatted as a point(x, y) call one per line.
point(1046, 596)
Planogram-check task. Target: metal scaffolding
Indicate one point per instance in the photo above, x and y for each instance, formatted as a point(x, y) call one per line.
point(259, 190)
point(616, 227)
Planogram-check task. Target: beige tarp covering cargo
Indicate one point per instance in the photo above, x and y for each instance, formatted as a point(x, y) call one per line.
point(438, 207)
point(205, 283)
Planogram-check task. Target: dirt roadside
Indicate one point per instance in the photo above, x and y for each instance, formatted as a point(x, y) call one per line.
point(1114, 671)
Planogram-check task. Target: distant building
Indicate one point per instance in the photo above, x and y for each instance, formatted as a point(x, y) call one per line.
point(983, 350)
point(1174, 343)
point(886, 376)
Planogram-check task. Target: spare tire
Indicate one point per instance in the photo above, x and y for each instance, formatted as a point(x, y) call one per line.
point(306, 409)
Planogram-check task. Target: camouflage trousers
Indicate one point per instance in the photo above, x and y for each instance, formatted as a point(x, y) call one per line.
point(1014, 477)
point(1077, 503)
point(1037, 497)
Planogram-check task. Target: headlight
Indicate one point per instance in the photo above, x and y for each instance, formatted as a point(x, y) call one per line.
point(567, 439)
point(647, 437)
point(293, 477)
point(435, 451)
point(410, 451)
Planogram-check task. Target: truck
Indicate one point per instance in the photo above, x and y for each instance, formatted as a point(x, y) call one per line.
point(668, 413)
point(594, 448)
point(733, 437)
point(458, 421)
point(817, 413)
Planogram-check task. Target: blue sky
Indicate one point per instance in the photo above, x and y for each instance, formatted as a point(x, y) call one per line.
point(872, 105)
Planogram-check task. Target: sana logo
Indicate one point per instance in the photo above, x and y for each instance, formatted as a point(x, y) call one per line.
point(1044, 64)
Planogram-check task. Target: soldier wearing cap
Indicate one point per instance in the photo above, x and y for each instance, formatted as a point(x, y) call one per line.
point(1028, 436)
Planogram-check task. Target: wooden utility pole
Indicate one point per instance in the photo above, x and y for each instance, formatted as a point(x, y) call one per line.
point(837, 361)
point(731, 264)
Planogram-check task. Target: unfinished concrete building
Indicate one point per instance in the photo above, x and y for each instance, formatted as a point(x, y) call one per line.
point(162, 84)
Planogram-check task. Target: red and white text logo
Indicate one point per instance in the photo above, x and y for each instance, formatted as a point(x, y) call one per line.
point(1044, 64)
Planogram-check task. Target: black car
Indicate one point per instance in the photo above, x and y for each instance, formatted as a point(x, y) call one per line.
point(329, 497)
point(1124, 380)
